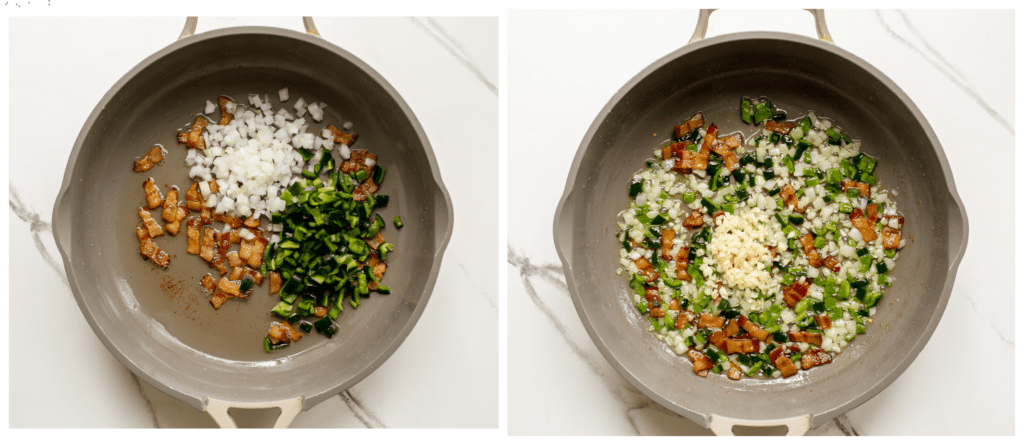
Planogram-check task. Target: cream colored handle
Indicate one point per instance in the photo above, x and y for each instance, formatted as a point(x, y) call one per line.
point(705, 14)
point(190, 27)
point(218, 409)
point(722, 426)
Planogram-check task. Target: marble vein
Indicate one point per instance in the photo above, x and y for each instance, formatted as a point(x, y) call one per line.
point(943, 65)
point(36, 226)
point(482, 289)
point(845, 425)
point(995, 328)
point(367, 417)
point(452, 46)
point(149, 404)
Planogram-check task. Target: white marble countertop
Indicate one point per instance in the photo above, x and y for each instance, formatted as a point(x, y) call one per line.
point(64, 376)
point(957, 66)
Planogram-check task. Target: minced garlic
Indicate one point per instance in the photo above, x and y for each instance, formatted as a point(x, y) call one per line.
point(737, 247)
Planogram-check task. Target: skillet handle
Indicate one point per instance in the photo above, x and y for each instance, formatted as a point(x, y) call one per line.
point(190, 27)
point(819, 25)
point(218, 409)
point(796, 426)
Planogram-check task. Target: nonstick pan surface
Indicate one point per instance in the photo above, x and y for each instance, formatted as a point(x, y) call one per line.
point(160, 323)
point(798, 74)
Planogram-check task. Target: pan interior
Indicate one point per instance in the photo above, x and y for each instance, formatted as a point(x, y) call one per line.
point(711, 77)
point(161, 322)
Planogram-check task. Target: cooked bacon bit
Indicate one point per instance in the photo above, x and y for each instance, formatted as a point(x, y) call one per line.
point(871, 213)
point(687, 158)
point(789, 198)
point(714, 216)
point(779, 351)
point(651, 294)
point(741, 346)
point(795, 292)
point(205, 216)
point(209, 283)
point(785, 365)
point(152, 226)
point(805, 337)
point(682, 261)
point(718, 338)
point(151, 159)
point(666, 151)
point(320, 311)
point(814, 358)
point(194, 199)
point(780, 127)
point(253, 221)
point(733, 141)
point(358, 162)
point(732, 328)
point(275, 282)
point(832, 263)
point(364, 190)
point(734, 371)
point(891, 237)
point(229, 287)
point(646, 269)
point(170, 205)
point(823, 321)
point(865, 189)
point(342, 138)
point(701, 161)
point(236, 274)
point(684, 318)
point(174, 226)
point(225, 115)
point(691, 124)
point(867, 230)
point(282, 331)
point(667, 236)
point(233, 259)
point(234, 236)
point(694, 220)
point(150, 250)
point(258, 244)
point(701, 363)
point(812, 254)
point(214, 186)
point(377, 240)
point(257, 277)
point(708, 320)
point(771, 250)
point(753, 329)
point(658, 312)
point(377, 268)
point(218, 299)
point(153, 197)
point(207, 246)
point(729, 158)
point(192, 229)
point(233, 221)
point(194, 137)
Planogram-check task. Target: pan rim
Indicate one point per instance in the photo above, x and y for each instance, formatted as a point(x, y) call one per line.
point(563, 238)
point(61, 224)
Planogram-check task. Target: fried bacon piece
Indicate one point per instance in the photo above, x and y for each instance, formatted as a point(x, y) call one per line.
point(225, 115)
point(789, 198)
point(218, 298)
point(714, 216)
point(256, 258)
point(229, 287)
point(865, 189)
point(891, 237)
point(646, 269)
point(342, 138)
point(149, 160)
point(192, 230)
point(832, 264)
point(377, 267)
point(778, 127)
point(771, 250)
point(209, 283)
point(233, 221)
point(153, 197)
point(360, 160)
point(194, 137)
point(732, 141)
point(812, 254)
point(246, 249)
point(753, 329)
point(252, 222)
point(701, 363)
point(734, 371)
point(170, 213)
point(207, 246)
point(282, 331)
point(257, 277)
point(814, 358)
point(685, 158)
point(657, 312)
point(805, 337)
point(742, 345)
point(174, 226)
point(823, 321)
point(700, 162)
point(694, 220)
point(785, 365)
point(236, 273)
point(364, 190)
point(732, 327)
point(667, 236)
point(193, 199)
point(376, 241)
point(684, 319)
point(729, 158)
point(871, 213)
point(150, 250)
point(782, 351)
point(233, 259)
point(689, 125)
point(718, 338)
point(708, 320)
point(204, 216)
point(320, 311)
point(682, 262)
point(795, 292)
point(153, 228)
point(867, 230)
point(275, 282)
